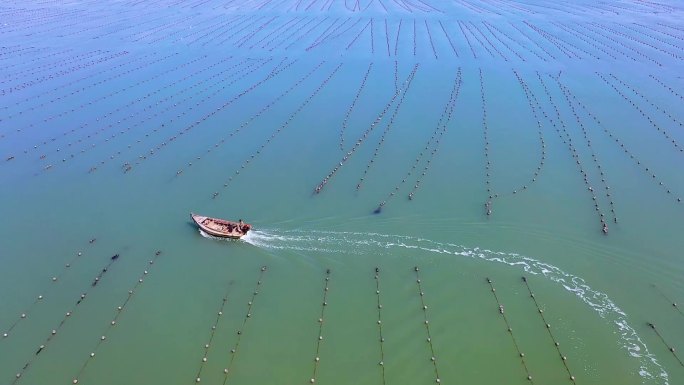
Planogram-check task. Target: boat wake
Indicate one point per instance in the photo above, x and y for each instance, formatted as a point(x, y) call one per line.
point(374, 243)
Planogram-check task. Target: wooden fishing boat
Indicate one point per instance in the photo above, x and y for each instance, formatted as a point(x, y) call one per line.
point(221, 227)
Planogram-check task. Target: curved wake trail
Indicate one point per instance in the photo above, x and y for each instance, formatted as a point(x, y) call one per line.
point(365, 243)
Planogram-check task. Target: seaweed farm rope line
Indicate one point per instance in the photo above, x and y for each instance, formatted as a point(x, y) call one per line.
point(381, 338)
point(228, 370)
point(673, 303)
point(67, 315)
point(643, 114)
point(385, 131)
point(426, 323)
point(638, 162)
point(119, 311)
point(214, 326)
point(556, 344)
point(197, 122)
point(39, 299)
point(594, 157)
point(258, 114)
point(564, 135)
point(510, 330)
point(433, 142)
point(345, 121)
point(670, 348)
point(359, 141)
point(280, 128)
point(321, 320)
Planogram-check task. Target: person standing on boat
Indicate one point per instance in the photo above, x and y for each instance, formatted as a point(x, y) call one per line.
point(240, 224)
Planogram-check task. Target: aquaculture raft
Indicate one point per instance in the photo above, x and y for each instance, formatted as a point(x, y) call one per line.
point(221, 227)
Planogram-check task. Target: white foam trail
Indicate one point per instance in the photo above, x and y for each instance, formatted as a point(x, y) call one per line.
point(362, 243)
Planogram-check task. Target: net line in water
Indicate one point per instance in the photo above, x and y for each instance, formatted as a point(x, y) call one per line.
point(510, 330)
point(40, 298)
point(233, 352)
point(381, 338)
point(321, 319)
point(358, 243)
point(67, 315)
point(426, 322)
point(119, 311)
point(547, 326)
point(214, 326)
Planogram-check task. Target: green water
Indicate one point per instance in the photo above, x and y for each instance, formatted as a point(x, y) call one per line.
point(598, 292)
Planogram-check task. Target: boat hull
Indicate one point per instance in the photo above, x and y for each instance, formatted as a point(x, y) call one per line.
point(220, 228)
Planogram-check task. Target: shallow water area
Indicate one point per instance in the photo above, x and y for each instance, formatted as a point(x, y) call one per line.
point(454, 192)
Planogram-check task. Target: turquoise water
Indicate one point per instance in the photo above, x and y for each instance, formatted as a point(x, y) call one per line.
point(119, 119)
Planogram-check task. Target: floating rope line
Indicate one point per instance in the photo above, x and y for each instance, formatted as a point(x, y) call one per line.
point(654, 105)
point(325, 33)
point(658, 39)
point(68, 71)
point(321, 319)
point(488, 162)
point(615, 32)
point(39, 299)
point(564, 135)
point(669, 347)
point(396, 42)
point(228, 370)
point(643, 114)
point(38, 69)
point(306, 33)
point(489, 41)
point(358, 143)
point(594, 157)
point(414, 37)
point(536, 44)
point(359, 34)
point(174, 138)
point(426, 322)
point(81, 89)
point(345, 121)
point(214, 326)
point(256, 115)
point(603, 34)
point(448, 38)
point(289, 37)
point(649, 172)
point(659, 31)
point(467, 28)
point(279, 129)
point(593, 39)
point(103, 98)
point(218, 87)
point(470, 45)
point(573, 46)
point(491, 32)
point(390, 123)
point(330, 36)
point(103, 131)
point(673, 303)
point(585, 39)
point(68, 314)
point(433, 142)
point(381, 336)
point(432, 44)
point(510, 330)
point(387, 39)
point(672, 91)
point(553, 40)
point(119, 311)
point(556, 344)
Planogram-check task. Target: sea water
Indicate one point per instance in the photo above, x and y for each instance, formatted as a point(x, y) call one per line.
point(215, 108)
